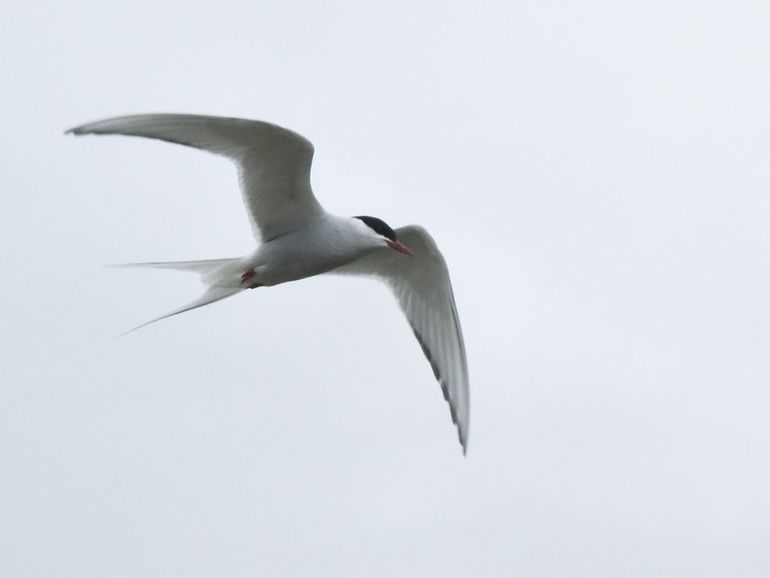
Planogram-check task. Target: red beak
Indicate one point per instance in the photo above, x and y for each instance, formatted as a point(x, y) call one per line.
point(399, 246)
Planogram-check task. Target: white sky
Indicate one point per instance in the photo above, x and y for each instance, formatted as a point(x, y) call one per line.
point(597, 176)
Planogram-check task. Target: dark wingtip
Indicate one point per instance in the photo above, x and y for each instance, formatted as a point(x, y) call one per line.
point(444, 390)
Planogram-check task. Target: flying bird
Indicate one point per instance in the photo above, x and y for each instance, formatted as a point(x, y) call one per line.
point(297, 238)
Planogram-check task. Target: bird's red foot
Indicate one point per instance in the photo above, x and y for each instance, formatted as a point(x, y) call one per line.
point(247, 275)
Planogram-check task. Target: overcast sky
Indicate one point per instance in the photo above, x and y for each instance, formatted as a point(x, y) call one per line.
point(597, 177)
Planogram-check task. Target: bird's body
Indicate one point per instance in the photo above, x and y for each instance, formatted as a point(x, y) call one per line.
point(299, 239)
point(319, 247)
point(322, 245)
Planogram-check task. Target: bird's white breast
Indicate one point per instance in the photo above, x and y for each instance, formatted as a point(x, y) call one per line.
point(321, 246)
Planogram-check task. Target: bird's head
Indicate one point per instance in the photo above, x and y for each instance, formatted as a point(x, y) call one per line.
point(380, 232)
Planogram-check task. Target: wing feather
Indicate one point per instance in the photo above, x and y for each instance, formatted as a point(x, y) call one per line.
point(273, 162)
point(423, 290)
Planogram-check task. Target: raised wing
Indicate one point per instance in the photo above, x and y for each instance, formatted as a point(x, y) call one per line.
point(273, 162)
point(423, 289)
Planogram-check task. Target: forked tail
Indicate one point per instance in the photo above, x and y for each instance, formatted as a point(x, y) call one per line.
point(217, 274)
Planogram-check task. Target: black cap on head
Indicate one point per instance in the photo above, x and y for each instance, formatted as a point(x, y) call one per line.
point(379, 226)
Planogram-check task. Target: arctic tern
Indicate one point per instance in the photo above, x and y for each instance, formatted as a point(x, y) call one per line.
point(297, 238)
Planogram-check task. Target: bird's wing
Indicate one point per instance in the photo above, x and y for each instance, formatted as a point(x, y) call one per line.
point(423, 289)
point(273, 162)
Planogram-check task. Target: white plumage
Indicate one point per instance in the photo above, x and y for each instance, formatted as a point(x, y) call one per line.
point(298, 239)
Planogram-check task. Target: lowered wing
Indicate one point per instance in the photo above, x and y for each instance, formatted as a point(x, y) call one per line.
point(423, 290)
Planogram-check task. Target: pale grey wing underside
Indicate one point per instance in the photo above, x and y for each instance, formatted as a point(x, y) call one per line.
point(273, 162)
point(423, 289)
